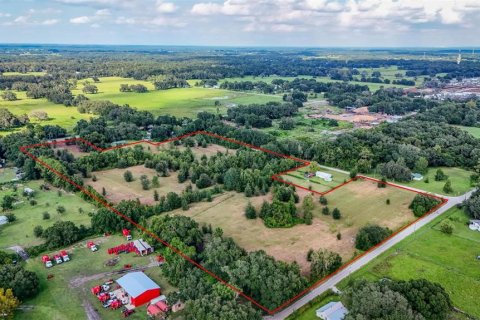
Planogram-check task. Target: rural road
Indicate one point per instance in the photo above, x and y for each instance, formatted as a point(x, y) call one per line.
point(359, 263)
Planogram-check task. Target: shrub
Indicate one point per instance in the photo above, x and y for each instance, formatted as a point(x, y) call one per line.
point(325, 211)
point(46, 216)
point(440, 175)
point(336, 214)
point(422, 204)
point(128, 176)
point(33, 202)
point(11, 217)
point(250, 211)
point(339, 236)
point(447, 188)
point(323, 200)
point(387, 201)
point(38, 231)
point(61, 209)
point(447, 227)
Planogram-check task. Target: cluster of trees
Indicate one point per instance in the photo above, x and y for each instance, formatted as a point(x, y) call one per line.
point(8, 120)
point(422, 204)
point(255, 273)
point(62, 233)
point(389, 299)
point(8, 95)
point(282, 212)
point(169, 82)
point(472, 205)
point(261, 115)
point(371, 235)
point(138, 88)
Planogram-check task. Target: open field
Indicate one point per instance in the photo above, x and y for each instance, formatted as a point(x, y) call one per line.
point(360, 203)
point(460, 179)
point(178, 102)
point(430, 254)
point(316, 184)
point(390, 72)
point(32, 73)
point(474, 131)
point(20, 232)
point(58, 114)
point(118, 189)
point(7, 174)
point(64, 296)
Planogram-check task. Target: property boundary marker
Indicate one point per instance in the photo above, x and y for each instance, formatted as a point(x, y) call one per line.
point(275, 177)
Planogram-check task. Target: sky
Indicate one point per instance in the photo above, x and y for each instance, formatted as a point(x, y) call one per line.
point(306, 23)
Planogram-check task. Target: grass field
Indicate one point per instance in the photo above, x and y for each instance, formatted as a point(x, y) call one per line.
point(64, 296)
point(33, 73)
point(20, 232)
point(474, 131)
point(177, 102)
point(7, 174)
point(359, 202)
point(389, 73)
point(460, 179)
point(316, 184)
point(60, 115)
point(446, 259)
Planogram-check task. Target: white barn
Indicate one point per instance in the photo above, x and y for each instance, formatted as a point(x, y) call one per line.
point(323, 175)
point(332, 311)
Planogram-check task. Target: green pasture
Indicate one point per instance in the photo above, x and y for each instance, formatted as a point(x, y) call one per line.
point(459, 178)
point(178, 102)
point(474, 131)
point(20, 232)
point(450, 260)
point(58, 114)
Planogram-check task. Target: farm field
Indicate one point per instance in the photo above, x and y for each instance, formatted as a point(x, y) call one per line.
point(31, 73)
point(58, 114)
point(316, 184)
point(430, 254)
point(459, 178)
point(20, 232)
point(474, 131)
point(178, 102)
point(57, 300)
point(367, 205)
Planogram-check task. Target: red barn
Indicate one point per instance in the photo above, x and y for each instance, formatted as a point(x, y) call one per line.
point(140, 288)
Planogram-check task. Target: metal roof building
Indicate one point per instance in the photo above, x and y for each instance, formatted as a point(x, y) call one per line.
point(139, 287)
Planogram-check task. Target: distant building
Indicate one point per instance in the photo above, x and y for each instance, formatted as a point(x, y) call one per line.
point(417, 176)
point(323, 175)
point(332, 311)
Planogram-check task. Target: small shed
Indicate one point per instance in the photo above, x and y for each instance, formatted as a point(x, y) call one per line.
point(332, 311)
point(142, 247)
point(474, 225)
point(139, 287)
point(323, 175)
point(3, 220)
point(417, 176)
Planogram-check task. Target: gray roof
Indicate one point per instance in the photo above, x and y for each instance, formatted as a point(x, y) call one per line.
point(136, 283)
point(333, 311)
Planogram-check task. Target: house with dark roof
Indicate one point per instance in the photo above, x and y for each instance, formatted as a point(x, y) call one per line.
point(139, 288)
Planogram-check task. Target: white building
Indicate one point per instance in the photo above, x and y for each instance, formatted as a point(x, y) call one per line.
point(3, 220)
point(332, 311)
point(474, 225)
point(323, 175)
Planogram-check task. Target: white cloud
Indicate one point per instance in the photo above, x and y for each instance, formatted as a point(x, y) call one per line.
point(5, 15)
point(166, 7)
point(49, 22)
point(229, 7)
point(81, 20)
point(102, 12)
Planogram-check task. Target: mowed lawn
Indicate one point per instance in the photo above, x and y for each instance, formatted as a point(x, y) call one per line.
point(474, 131)
point(316, 183)
point(361, 202)
point(459, 178)
point(178, 102)
point(58, 114)
point(64, 296)
point(449, 260)
point(20, 232)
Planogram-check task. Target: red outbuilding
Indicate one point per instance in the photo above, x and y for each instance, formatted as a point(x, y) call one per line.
point(140, 288)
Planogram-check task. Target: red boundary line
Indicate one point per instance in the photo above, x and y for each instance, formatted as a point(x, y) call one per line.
point(274, 177)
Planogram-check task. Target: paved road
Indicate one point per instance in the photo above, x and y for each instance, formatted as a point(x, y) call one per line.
point(331, 282)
